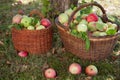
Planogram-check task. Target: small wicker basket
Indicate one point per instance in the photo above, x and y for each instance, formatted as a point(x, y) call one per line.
point(33, 41)
point(100, 48)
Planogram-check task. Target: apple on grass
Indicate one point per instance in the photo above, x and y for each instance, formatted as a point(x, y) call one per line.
point(91, 70)
point(75, 68)
point(45, 22)
point(23, 54)
point(50, 73)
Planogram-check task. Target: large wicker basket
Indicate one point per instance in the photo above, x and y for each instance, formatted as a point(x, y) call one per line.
point(33, 41)
point(100, 48)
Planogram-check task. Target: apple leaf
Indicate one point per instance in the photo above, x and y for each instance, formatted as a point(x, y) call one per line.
point(79, 18)
point(87, 10)
point(18, 26)
point(34, 21)
point(83, 36)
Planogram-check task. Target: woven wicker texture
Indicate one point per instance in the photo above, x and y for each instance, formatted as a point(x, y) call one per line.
point(33, 41)
point(100, 48)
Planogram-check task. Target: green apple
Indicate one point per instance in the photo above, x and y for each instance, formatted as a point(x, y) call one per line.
point(114, 26)
point(82, 28)
point(109, 24)
point(96, 33)
point(92, 26)
point(68, 12)
point(63, 18)
point(102, 34)
point(40, 27)
point(26, 21)
point(111, 31)
point(83, 21)
point(30, 28)
point(101, 26)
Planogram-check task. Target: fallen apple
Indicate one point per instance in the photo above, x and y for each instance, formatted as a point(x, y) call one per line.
point(50, 73)
point(91, 70)
point(23, 54)
point(17, 19)
point(45, 22)
point(75, 68)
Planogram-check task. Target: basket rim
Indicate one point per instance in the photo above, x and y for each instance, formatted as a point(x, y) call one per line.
point(101, 38)
point(13, 28)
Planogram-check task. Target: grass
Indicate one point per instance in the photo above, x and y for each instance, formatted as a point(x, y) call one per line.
point(13, 67)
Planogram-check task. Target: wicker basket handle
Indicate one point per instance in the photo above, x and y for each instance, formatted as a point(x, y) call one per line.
point(104, 16)
point(36, 12)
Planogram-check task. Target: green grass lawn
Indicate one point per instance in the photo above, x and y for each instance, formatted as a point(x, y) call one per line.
point(13, 67)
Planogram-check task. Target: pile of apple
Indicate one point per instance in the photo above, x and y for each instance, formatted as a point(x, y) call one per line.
point(87, 23)
point(30, 23)
point(75, 69)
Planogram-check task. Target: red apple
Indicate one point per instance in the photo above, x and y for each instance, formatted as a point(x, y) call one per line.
point(75, 68)
point(91, 70)
point(23, 54)
point(17, 19)
point(45, 22)
point(50, 73)
point(92, 18)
